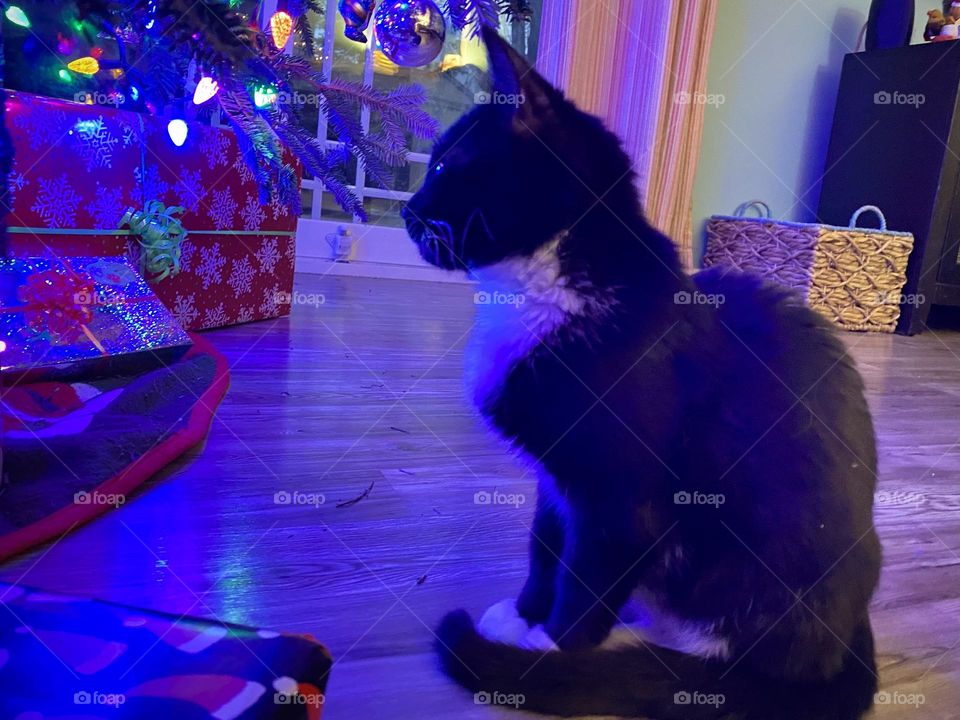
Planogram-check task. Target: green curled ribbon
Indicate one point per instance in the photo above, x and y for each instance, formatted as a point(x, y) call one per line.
point(161, 235)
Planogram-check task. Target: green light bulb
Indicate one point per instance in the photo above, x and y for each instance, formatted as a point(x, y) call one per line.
point(264, 95)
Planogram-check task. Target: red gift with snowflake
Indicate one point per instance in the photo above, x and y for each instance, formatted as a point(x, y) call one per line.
point(78, 168)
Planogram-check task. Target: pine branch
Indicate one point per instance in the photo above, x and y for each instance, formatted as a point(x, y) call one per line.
point(221, 38)
point(348, 130)
point(259, 144)
point(474, 14)
point(288, 190)
point(326, 165)
point(402, 104)
point(296, 8)
point(516, 10)
point(237, 105)
point(341, 101)
point(249, 154)
point(305, 30)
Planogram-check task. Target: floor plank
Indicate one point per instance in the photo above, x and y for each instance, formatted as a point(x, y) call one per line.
point(364, 389)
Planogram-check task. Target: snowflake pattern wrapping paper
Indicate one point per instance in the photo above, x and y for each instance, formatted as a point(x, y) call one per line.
point(81, 166)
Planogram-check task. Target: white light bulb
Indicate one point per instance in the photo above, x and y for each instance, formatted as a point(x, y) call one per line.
point(177, 130)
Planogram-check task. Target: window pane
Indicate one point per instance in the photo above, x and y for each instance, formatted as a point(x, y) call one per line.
point(308, 44)
point(348, 59)
point(384, 212)
point(406, 178)
point(329, 210)
point(306, 202)
point(450, 81)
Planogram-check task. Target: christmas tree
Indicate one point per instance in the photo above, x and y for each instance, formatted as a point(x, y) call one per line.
point(187, 60)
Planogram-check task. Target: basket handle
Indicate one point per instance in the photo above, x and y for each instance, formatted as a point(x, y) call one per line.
point(759, 205)
point(873, 209)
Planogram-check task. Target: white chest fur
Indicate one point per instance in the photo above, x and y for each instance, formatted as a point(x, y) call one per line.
point(521, 303)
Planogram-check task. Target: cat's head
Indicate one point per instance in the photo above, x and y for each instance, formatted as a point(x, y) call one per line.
point(514, 171)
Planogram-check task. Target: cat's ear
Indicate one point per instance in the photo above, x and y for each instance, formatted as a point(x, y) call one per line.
point(519, 90)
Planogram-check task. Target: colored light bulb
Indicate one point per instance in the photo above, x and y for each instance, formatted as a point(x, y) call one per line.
point(206, 89)
point(17, 16)
point(281, 27)
point(177, 130)
point(84, 66)
point(264, 95)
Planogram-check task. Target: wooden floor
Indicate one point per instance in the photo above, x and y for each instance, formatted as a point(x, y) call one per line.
point(365, 389)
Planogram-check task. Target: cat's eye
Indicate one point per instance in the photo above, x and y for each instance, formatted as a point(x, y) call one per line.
point(438, 167)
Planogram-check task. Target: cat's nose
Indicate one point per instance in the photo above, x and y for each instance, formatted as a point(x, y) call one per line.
point(405, 213)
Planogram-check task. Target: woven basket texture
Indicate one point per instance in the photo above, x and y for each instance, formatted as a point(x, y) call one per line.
point(851, 276)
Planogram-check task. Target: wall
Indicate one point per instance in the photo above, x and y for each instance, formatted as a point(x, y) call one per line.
point(773, 78)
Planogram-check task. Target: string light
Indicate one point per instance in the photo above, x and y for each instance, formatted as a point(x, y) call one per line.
point(281, 27)
point(17, 16)
point(85, 65)
point(177, 130)
point(264, 95)
point(206, 89)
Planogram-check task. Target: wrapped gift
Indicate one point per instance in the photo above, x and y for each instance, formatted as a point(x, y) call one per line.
point(78, 168)
point(81, 314)
point(72, 657)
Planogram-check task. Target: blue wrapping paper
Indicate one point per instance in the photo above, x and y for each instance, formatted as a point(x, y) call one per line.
point(70, 315)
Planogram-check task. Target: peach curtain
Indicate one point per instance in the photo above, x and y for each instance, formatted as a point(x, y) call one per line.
point(642, 66)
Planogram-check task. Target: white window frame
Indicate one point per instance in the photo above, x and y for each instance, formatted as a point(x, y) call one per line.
point(359, 186)
point(387, 248)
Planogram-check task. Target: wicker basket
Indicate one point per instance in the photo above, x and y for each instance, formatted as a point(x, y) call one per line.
point(852, 276)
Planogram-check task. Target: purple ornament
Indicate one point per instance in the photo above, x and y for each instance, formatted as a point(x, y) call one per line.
point(410, 32)
point(356, 15)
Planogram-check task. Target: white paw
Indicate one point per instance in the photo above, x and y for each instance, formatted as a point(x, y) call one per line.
point(502, 623)
point(538, 639)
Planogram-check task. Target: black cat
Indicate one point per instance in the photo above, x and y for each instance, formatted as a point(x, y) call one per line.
point(704, 444)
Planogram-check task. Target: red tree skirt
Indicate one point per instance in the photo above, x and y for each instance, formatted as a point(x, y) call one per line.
point(73, 451)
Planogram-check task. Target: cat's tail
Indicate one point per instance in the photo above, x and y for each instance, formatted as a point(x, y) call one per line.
point(645, 681)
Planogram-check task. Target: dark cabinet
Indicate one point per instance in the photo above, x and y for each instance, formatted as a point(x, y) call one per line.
point(896, 144)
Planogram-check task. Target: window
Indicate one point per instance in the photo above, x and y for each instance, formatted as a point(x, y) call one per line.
point(451, 82)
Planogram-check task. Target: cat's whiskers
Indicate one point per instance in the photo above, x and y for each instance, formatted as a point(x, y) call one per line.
point(441, 232)
point(477, 212)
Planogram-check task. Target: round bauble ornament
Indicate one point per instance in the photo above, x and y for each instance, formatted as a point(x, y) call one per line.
point(410, 32)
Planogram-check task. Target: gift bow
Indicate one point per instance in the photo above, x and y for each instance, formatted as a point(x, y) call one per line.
point(60, 303)
point(161, 237)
